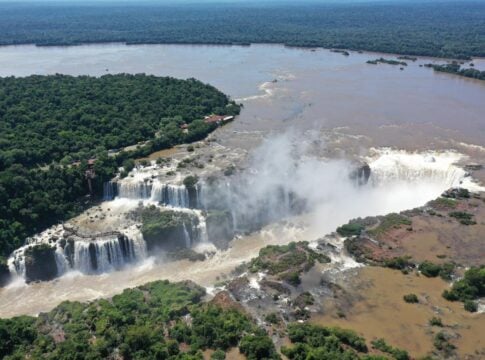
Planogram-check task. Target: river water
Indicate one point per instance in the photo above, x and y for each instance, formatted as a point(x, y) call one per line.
point(354, 105)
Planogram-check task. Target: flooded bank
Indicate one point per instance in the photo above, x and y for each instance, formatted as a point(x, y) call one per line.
point(379, 311)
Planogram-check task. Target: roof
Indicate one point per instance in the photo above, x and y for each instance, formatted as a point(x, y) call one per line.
point(214, 118)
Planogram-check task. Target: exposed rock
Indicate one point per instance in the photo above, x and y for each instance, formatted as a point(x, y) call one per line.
point(220, 228)
point(40, 263)
point(225, 301)
point(188, 254)
point(361, 174)
point(4, 274)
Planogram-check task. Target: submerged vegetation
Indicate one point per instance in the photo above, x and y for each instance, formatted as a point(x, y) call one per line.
point(444, 29)
point(387, 61)
point(50, 126)
point(429, 269)
point(468, 289)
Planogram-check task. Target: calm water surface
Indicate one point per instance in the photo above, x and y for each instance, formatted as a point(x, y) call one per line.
point(409, 108)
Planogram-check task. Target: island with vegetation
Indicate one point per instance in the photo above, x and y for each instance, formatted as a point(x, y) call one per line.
point(387, 61)
point(440, 29)
point(456, 69)
point(58, 130)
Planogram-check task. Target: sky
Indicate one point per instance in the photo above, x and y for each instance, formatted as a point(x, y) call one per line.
point(213, 1)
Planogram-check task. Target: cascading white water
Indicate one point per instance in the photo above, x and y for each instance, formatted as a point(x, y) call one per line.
point(202, 227)
point(394, 166)
point(89, 256)
point(170, 195)
point(110, 190)
point(188, 241)
point(166, 194)
point(134, 190)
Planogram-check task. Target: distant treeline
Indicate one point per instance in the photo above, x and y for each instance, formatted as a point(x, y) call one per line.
point(443, 29)
point(455, 68)
point(50, 126)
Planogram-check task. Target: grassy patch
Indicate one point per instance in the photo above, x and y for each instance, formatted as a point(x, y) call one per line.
point(443, 203)
point(287, 261)
point(389, 222)
point(350, 229)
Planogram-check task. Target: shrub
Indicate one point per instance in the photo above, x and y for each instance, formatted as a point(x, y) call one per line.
point(429, 269)
point(435, 321)
point(399, 263)
point(258, 346)
point(272, 318)
point(463, 217)
point(218, 355)
point(350, 229)
point(441, 343)
point(292, 278)
point(398, 354)
point(411, 298)
point(470, 306)
point(471, 287)
point(190, 181)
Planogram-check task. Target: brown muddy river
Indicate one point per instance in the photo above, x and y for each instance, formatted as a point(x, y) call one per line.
point(408, 108)
point(356, 105)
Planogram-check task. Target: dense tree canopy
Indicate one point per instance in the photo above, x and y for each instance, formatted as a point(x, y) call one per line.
point(51, 125)
point(447, 29)
point(148, 322)
point(49, 118)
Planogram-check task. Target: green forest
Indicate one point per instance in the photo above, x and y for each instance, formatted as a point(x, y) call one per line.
point(452, 29)
point(152, 321)
point(50, 126)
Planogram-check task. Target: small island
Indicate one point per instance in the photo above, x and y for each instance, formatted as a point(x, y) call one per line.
point(387, 61)
point(455, 68)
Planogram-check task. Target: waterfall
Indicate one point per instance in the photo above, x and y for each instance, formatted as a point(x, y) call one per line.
point(134, 190)
point(170, 195)
point(16, 263)
point(166, 194)
point(61, 260)
point(440, 168)
point(188, 241)
point(104, 255)
point(202, 228)
point(89, 256)
point(110, 190)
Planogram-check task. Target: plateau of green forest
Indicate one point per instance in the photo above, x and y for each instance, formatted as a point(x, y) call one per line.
point(50, 126)
point(452, 29)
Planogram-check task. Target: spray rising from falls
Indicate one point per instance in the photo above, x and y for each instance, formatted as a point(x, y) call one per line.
point(286, 176)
